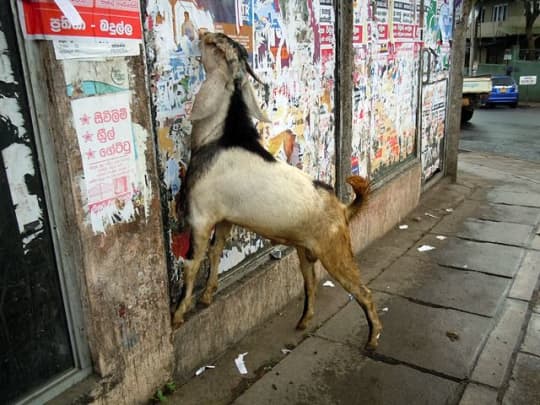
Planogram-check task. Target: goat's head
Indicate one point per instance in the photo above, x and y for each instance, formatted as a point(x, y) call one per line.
point(226, 64)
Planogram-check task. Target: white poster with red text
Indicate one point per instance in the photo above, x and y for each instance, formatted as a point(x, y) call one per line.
point(104, 132)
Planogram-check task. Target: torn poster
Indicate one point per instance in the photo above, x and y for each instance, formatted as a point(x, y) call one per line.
point(104, 132)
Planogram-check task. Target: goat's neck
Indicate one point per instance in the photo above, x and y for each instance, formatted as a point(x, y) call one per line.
point(205, 131)
point(211, 128)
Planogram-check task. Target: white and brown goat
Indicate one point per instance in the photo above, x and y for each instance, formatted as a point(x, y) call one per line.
point(232, 179)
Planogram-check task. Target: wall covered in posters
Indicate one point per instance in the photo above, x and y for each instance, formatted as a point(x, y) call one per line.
point(291, 45)
point(436, 58)
point(385, 84)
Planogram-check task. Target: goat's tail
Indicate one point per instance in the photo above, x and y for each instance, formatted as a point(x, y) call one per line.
point(362, 188)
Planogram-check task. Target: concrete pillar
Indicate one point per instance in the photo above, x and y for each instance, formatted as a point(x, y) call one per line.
point(121, 272)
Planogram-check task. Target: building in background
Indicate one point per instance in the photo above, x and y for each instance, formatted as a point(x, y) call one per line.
point(501, 31)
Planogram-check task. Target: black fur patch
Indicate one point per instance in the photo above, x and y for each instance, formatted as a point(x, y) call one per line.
point(323, 185)
point(239, 128)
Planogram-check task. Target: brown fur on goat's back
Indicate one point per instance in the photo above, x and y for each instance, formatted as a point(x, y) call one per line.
point(362, 189)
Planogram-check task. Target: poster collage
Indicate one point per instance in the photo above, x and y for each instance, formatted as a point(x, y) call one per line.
point(388, 44)
point(291, 44)
point(292, 48)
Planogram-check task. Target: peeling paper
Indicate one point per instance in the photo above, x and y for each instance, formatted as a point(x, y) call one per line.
point(18, 164)
point(6, 72)
point(70, 12)
point(403, 226)
point(440, 237)
point(425, 248)
point(240, 365)
point(328, 283)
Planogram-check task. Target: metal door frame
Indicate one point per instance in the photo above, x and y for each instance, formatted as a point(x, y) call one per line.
point(36, 92)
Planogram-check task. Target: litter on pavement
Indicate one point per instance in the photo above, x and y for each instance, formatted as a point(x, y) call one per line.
point(240, 365)
point(403, 226)
point(425, 248)
point(202, 369)
point(328, 283)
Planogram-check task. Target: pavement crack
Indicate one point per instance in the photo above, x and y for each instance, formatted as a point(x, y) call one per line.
point(430, 304)
point(487, 273)
point(489, 241)
point(379, 357)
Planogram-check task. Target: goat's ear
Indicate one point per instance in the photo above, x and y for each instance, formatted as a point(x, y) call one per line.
point(210, 97)
point(251, 102)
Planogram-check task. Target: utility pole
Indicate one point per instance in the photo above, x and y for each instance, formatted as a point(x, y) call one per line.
point(456, 90)
point(472, 50)
point(343, 99)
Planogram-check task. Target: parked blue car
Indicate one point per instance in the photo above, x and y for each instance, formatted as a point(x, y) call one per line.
point(504, 91)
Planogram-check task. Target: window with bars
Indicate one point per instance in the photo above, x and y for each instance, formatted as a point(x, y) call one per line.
point(500, 12)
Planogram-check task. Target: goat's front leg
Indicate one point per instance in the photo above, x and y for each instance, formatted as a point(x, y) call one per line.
point(216, 248)
point(191, 267)
point(307, 265)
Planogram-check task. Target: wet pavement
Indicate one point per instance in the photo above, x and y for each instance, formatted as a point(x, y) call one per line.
point(514, 132)
point(461, 321)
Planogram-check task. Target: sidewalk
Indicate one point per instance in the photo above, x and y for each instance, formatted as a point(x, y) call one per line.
point(461, 321)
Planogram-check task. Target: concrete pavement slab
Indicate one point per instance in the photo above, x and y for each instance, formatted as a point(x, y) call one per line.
point(264, 346)
point(320, 372)
point(469, 255)
point(443, 340)
point(496, 232)
point(511, 197)
point(478, 395)
point(468, 291)
point(488, 212)
point(524, 382)
point(535, 244)
point(375, 259)
point(527, 278)
point(508, 213)
point(531, 344)
point(453, 223)
point(494, 359)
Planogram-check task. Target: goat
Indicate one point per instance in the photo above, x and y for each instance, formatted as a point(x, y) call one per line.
point(232, 179)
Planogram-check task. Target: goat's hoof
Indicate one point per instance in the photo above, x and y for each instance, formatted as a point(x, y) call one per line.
point(371, 347)
point(373, 343)
point(301, 325)
point(206, 300)
point(177, 322)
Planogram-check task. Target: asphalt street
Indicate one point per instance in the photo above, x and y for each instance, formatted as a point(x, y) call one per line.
point(513, 132)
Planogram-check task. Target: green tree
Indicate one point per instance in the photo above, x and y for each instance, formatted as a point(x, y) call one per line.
point(532, 10)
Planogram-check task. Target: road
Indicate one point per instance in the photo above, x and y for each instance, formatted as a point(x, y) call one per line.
point(504, 130)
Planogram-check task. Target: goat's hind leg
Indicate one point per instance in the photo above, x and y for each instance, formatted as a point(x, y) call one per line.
point(342, 267)
point(307, 265)
point(191, 267)
point(216, 248)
